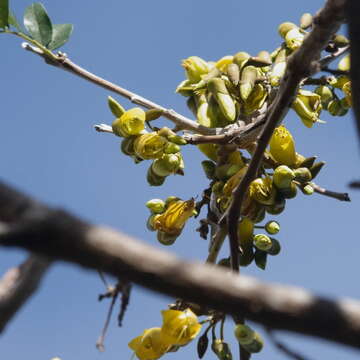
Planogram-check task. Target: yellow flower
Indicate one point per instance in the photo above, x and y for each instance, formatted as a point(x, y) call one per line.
point(150, 146)
point(179, 327)
point(131, 122)
point(195, 67)
point(282, 146)
point(263, 191)
point(223, 63)
point(234, 181)
point(150, 345)
point(308, 106)
point(175, 216)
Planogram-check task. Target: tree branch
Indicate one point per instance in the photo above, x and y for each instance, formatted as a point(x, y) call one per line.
point(61, 61)
point(17, 286)
point(332, 194)
point(303, 63)
point(61, 236)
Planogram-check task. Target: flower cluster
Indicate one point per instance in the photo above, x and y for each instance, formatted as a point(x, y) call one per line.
point(178, 329)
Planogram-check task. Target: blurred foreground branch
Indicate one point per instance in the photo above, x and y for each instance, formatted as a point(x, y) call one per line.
point(61, 236)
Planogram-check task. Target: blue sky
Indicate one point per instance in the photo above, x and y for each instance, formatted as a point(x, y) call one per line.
point(48, 148)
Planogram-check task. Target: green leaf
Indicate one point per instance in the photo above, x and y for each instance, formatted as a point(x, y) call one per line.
point(260, 259)
point(38, 24)
point(4, 13)
point(13, 21)
point(60, 35)
point(115, 107)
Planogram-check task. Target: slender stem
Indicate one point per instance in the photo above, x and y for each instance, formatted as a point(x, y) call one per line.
point(216, 244)
point(332, 194)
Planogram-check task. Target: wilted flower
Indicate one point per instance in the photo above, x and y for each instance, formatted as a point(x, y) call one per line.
point(150, 345)
point(308, 106)
point(282, 146)
point(175, 216)
point(179, 327)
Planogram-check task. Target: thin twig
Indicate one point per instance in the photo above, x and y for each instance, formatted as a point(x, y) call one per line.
point(284, 348)
point(63, 62)
point(335, 195)
point(326, 60)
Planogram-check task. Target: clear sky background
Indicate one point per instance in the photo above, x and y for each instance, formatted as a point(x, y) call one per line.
point(48, 149)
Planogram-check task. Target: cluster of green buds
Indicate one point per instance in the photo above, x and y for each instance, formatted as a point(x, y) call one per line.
point(168, 217)
point(161, 146)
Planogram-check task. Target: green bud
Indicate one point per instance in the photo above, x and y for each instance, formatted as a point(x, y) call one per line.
point(285, 27)
point(275, 249)
point(241, 59)
point(131, 122)
point(244, 334)
point(204, 116)
point(283, 176)
point(278, 207)
point(325, 93)
point(115, 107)
point(308, 162)
point(156, 206)
point(185, 88)
point(248, 77)
point(225, 171)
point(150, 222)
point(217, 87)
point(279, 68)
point(256, 345)
point(302, 174)
point(153, 114)
point(307, 189)
point(341, 41)
point(272, 227)
point(290, 192)
point(165, 238)
point(221, 349)
point(171, 148)
point(344, 63)
point(209, 169)
point(262, 242)
point(166, 165)
point(335, 108)
point(306, 20)
point(153, 179)
point(195, 67)
point(127, 146)
point(233, 73)
point(315, 169)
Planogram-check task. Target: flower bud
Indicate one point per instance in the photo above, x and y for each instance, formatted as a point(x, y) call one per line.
point(221, 349)
point(224, 62)
point(307, 162)
point(150, 146)
point(202, 345)
point(282, 146)
point(341, 41)
point(283, 176)
point(209, 169)
point(233, 73)
point(150, 222)
point(217, 88)
point(168, 164)
point(308, 107)
point(276, 247)
point(326, 95)
point(165, 238)
point(127, 146)
point(234, 181)
point(156, 206)
point(240, 59)
point(335, 108)
point(285, 27)
point(272, 227)
point(185, 88)
point(263, 191)
point(256, 99)
point(245, 233)
point(307, 189)
point(132, 122)
point(204, 116)
point(262, 242)
point(153, 179)
point(344, 63)
point(244, 334)
point(277, 73)
point(171, 148)
point(195, 67)
point(225, 171)
point(248, 77)
point(289, 192)
point(294, 38)
point(306, 20)
point(302, 174)
point(116, 109)
point(210, 150)
point(256, 345)
point(315, 169)
point(153, 114)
